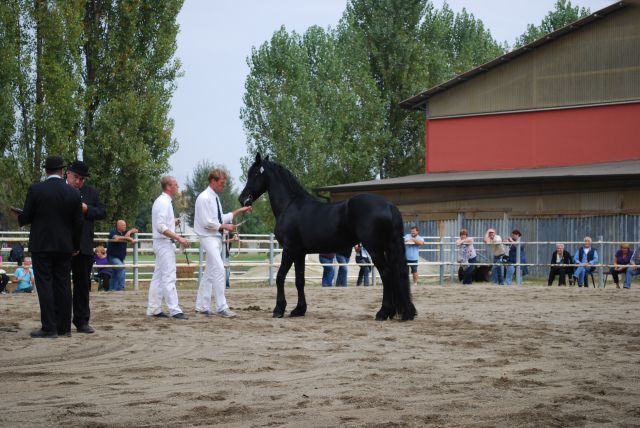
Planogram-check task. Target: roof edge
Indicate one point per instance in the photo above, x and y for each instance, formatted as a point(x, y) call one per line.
point(417, 102)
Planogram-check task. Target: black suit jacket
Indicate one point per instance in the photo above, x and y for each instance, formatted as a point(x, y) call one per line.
point(566, 258)
point(54, 211)
point(95, 211)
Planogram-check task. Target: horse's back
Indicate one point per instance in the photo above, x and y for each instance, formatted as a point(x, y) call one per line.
point(375, 220)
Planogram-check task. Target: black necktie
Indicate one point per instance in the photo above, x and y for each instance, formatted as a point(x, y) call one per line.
point(219, 210)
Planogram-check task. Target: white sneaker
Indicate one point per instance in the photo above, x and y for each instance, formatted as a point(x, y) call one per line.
point(227, 313)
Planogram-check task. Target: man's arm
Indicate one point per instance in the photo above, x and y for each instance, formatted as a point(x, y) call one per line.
point(95, 208)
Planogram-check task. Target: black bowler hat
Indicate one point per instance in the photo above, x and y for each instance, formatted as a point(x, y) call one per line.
point(79, 168)
point(53, 162)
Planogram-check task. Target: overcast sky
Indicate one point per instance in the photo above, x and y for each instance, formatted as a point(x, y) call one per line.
point(216, 36)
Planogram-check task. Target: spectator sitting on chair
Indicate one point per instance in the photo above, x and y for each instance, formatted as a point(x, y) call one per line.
point(585, 257)
point(494, 242)
point(24, 277)
point(466, 256)
point(117, 252)
point(634, 268)
point(412, 242)
point(103, 273)
point(620, 261)
point(515, 239)
point(560, 257)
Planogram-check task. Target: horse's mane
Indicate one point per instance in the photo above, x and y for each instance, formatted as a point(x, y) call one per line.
point(288, 179)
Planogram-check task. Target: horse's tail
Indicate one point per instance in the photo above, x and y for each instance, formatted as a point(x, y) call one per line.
point(401, 293)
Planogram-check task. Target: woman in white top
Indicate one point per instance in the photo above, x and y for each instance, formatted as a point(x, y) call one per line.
point(466, 256)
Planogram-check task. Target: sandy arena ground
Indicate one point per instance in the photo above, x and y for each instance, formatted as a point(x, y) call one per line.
point(475, 356)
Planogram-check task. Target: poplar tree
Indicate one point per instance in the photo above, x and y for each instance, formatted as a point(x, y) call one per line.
point(88, 79)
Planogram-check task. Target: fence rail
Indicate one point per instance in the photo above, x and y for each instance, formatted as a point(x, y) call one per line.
point(438, 257)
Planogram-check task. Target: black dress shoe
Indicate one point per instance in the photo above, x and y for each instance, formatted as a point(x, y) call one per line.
point(180, 316)
point(40, 334)
point(86, 329)
point(160, 315)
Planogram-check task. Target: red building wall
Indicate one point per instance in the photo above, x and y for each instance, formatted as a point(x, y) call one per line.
point(534, 139)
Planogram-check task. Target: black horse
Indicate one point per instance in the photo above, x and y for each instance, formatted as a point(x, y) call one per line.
point(305, 225)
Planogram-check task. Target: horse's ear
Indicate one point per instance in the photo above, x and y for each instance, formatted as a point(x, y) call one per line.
point(258, 160)
point(266, 158)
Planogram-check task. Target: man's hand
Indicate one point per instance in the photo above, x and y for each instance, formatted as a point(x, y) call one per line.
point(85, 208)
point(183, 242)
point(178, 221)
point(242, 210)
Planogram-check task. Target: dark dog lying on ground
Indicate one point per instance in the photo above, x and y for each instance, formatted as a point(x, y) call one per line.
point(481, 274)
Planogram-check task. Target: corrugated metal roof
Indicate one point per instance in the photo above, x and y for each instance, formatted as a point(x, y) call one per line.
point(629, 168)
point(418, 102)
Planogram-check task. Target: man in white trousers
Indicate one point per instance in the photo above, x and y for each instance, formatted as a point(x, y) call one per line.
point(209, 223)
point(163, 282)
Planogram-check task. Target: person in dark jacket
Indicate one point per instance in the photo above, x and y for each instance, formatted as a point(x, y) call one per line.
point(560, 257)
point(54, 211)
point(82, 263)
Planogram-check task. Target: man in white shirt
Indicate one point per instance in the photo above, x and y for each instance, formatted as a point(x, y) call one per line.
point(209, 223)
point(163, 282)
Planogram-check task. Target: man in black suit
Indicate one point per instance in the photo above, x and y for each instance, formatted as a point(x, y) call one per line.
point(81, 263)
point(54, 211)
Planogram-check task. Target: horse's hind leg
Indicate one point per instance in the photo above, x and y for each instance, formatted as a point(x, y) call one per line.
point(281, 302)
point(387, 309)
point(301, 307)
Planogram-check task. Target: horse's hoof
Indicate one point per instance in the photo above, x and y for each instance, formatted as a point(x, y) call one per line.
point(381, 316)
point(297, 312)
point(278, 314)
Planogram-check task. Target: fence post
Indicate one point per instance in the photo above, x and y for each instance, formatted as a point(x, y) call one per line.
point(135, 266)
point(271, 259)
point(518, 267)
point(373, 276)
point(600, 269)
point(200, 259)
point(441, 260)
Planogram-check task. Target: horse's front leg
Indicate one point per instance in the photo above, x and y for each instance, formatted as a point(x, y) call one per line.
point(281, 302)
point(301, 307)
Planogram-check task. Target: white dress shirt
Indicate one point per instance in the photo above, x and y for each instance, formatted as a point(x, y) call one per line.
point(162, 216)
point(205, 222)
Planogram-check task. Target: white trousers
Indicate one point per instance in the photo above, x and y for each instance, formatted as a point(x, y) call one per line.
point(163, 282)
point(214, 276)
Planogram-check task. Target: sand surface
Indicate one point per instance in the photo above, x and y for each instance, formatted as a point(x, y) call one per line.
point(475, 356)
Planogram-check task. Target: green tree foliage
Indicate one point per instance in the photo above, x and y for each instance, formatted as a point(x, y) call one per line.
point(562, 14)
point(325, 104)
point(91, 79)
point(199, 182)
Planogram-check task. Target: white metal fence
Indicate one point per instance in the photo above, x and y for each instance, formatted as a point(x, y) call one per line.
point(438, 257)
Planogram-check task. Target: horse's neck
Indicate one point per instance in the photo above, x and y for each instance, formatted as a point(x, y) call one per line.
point(281, 195)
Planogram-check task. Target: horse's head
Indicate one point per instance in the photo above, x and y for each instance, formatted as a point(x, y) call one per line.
point(257, 182)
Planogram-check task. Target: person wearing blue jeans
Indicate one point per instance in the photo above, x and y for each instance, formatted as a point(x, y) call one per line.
point(343, 270)
point(327, 269)
point(412, 242)
point(585, 257)
point(363, 259)
point(494, 243)
point(119, 237)
point(515, 241)
point(634, 268)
